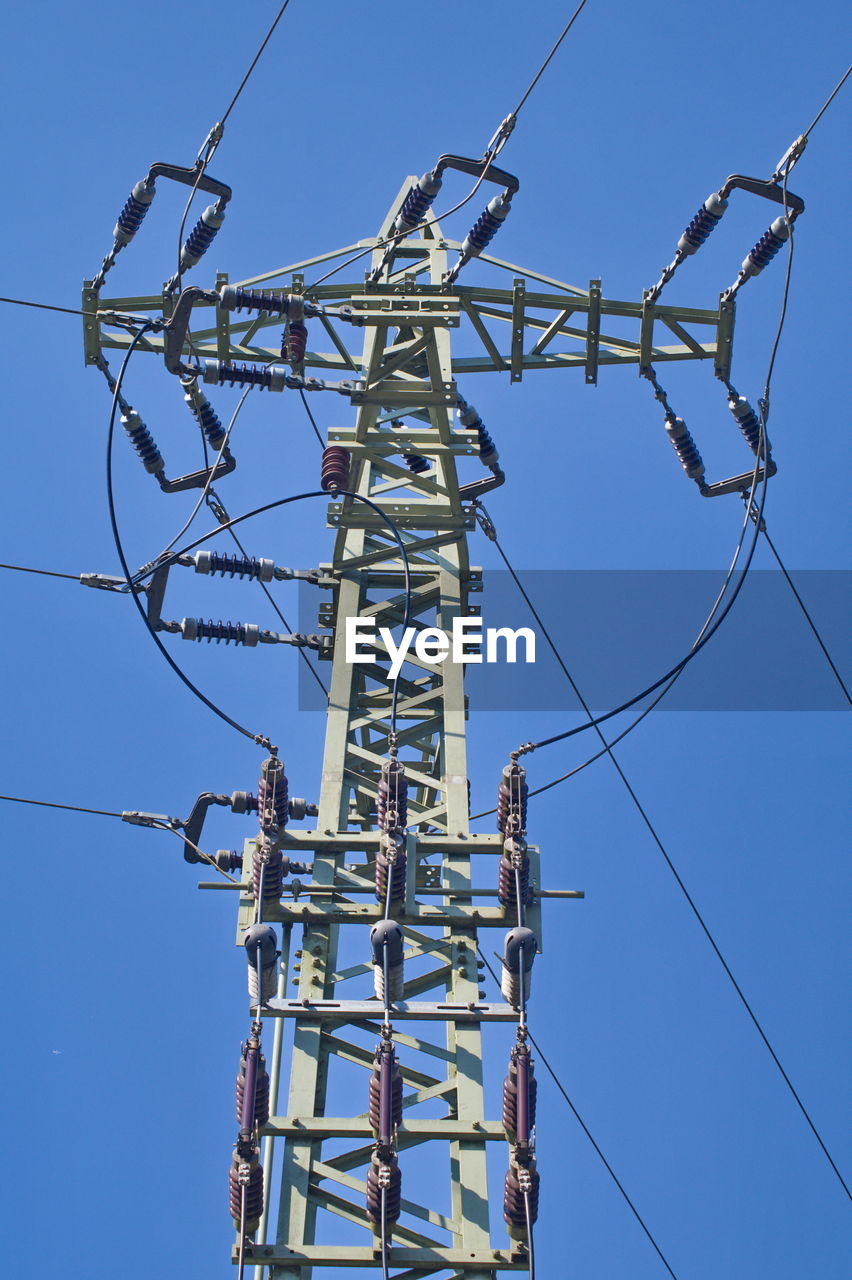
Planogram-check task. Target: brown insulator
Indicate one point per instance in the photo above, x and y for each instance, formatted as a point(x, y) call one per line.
point(261, 1091)
point(246, 1173)
point(267, 864)
point(394, 1116)
point(273, 794)
point(510, 1097)
point(512, 800)
point(520, 1178)
point(336, 462)
point(514, 863)
point(384, 1172)
point(392, 797)
point(295, 342)
point(391, 861)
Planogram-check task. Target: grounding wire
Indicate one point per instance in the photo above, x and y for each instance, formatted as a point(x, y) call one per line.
point(260, 739)
point(586, 1130)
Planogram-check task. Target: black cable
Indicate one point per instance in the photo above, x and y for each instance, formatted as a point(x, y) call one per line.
point(50, 804)
point(586, 1131)
point(317, 432)
point(254, 63)
point(283, 502)
point(260, 739)
point(803, 608)
point(575, 15)
point(47, 573)
point(828, 102)
point(44, 306)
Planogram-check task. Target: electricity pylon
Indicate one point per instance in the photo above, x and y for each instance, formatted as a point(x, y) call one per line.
point(402, 381)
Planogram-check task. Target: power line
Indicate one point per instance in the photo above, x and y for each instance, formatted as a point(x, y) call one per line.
point(587, 1132)
point(828, 102)
point(45, 573)
point(574, 16)
point(260, 739)
point(607, 748)
point(51, 804)
point(804, 610)
point(254, 62)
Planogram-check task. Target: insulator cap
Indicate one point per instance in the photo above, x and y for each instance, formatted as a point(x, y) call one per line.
point(387, 934)
point(747, 421)
point(260, 941)
point(520, 943)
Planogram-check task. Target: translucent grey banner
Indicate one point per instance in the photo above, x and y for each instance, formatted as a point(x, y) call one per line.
point(620, 630)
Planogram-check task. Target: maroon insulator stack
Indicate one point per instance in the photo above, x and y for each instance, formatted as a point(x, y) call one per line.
point(336, 462)
point(392, 799)
point(396, 868)
point(384, 1171)
point(295, 342)
point(512, 799)
point(518, 1177)
point(273, 796)
point(376, 1094)
point(261, 1091)
point(248, 1172)
point(267, 864)
point(510, 1098)
point(507, 883)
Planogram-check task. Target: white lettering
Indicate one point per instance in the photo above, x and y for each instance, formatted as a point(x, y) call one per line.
point(511, 637)
point(466, 631)
point(432, 645)
point(397, 652)
point(359, 631)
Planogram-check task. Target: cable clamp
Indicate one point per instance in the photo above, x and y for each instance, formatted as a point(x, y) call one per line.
point(484, 521)
point(138, 818)
point(789, 159)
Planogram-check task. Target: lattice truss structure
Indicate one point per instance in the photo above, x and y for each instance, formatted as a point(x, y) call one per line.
point(404, 385)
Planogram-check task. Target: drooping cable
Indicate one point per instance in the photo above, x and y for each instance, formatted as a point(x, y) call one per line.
point(260, 739)
point(586, 1131)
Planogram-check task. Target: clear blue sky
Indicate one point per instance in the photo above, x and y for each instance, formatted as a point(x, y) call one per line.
point(125, 997)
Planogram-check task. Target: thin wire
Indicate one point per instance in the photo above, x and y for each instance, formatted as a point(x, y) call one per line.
point(575, 15)
point(804, 610)
point(44, 306)
point(530, 1246)
point(254, 63)
point(260, 739)
point(51, 804)
point(210, 469)
point(317, 432)
point(384, 1215)
point(828, 102)
point(47, 573)
point(302, 654)
point(108, 813)
point(587, 1132)
point(283, 502)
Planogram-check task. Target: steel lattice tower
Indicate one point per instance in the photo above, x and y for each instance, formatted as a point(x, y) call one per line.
point(404, 369)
